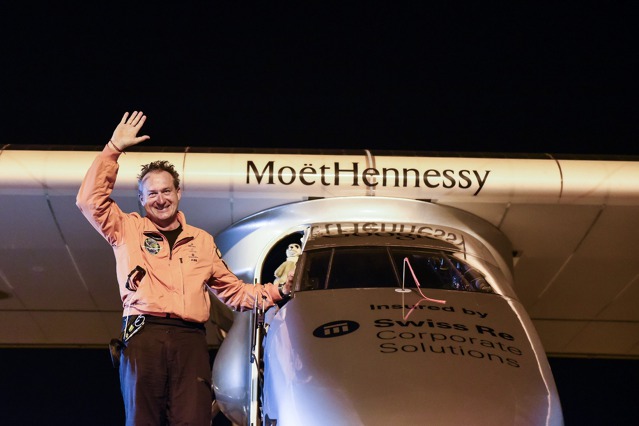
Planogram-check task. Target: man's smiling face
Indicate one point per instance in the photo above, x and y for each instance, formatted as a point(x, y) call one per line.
point(160, 199)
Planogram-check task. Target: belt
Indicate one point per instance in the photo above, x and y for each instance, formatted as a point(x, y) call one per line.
point(166, 320)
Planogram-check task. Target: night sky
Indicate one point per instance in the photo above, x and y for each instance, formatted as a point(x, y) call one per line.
point(515, 77)
point(429, 77)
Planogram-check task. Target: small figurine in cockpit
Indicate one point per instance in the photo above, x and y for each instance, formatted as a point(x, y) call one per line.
point(293, 252)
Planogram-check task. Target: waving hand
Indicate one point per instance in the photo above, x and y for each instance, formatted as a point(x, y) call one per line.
point(125, 134)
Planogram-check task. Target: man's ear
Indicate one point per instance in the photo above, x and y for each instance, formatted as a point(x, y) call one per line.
point(179, 193)
point(141, 199)
point(141, 204)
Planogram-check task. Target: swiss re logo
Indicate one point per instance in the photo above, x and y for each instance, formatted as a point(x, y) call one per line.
point(335, 328)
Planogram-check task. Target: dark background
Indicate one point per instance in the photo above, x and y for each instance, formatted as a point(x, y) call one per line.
point(433, 76)
point(513, 77)
point(81, 387)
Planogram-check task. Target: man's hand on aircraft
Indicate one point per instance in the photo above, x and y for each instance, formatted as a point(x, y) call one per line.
point(125, 134)
point(288, 286)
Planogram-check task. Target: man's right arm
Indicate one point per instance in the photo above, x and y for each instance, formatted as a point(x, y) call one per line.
point(94, 196)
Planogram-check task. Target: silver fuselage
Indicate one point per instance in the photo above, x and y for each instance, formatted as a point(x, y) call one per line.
point(358, 349)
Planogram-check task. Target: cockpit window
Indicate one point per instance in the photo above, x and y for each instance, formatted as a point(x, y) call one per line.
point(373, 267)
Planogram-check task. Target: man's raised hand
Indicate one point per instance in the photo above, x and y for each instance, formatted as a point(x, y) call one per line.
point(125, 134)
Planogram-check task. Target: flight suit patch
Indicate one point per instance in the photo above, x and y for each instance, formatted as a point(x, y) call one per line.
point(151, 245)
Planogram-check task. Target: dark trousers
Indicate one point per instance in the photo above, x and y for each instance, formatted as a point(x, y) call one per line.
point(165, 377)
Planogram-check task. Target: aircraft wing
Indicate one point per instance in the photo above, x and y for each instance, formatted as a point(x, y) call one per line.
point(573, 224)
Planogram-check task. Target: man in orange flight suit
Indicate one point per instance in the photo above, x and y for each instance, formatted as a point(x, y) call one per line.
point(165, 269)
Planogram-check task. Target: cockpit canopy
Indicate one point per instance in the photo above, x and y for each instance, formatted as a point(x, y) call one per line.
point(388, 266)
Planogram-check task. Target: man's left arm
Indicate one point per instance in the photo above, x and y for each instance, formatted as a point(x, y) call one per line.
point(240, 295)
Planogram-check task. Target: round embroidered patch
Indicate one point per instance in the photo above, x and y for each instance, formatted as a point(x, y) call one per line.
point(152, 246)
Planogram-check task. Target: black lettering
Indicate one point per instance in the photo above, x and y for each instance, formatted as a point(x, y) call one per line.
point(448, 176)
point(384, 323)
point(280, 175)
point(369, 227)
point(307, 170)
point(491, 356)
point(425, 230)
point(437, 352)
point(480, 181)
point(338, 171)
point(373, 173)
point(481, 329)
point(514, 350)
point(428, 174)
point(479, 355)
point(387, 348)
point(409, 323)
point(487, 343)
point(310, 175)
point(463, 176)
point(385, 173)
point(250, 166)
point(452, 350)
point(392, 335)
point(506, 336)
point(323, 175)
point(512, 362)
point(415, 177)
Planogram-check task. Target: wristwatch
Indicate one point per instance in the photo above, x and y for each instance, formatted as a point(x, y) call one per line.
point(284, 295)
